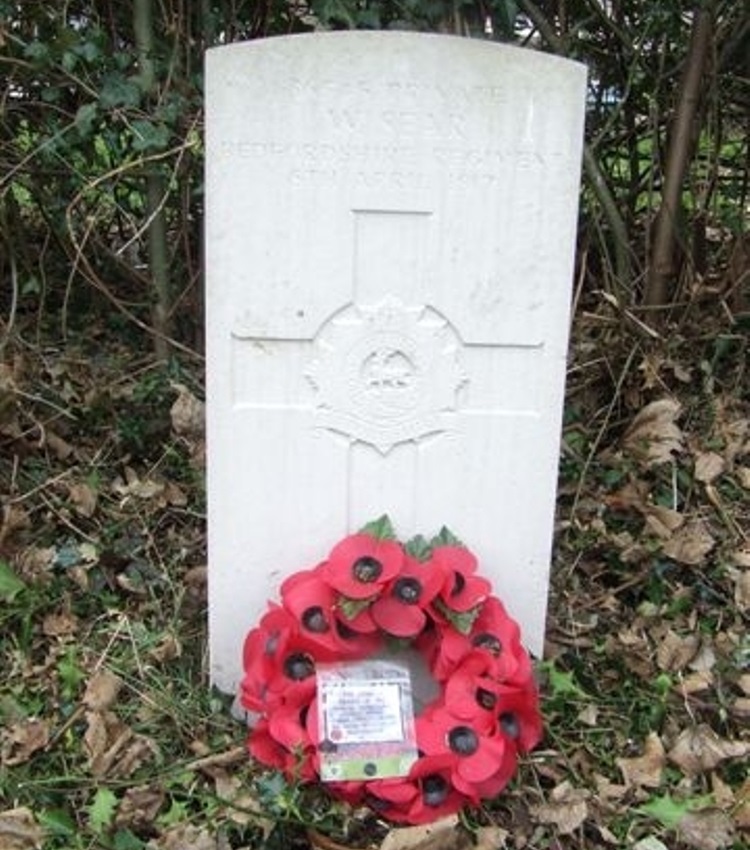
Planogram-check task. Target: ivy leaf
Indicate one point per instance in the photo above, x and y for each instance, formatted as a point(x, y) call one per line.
point(562, 682)
point(419, 547)
point(102, 809)
point(10, 584)
point(85, 117)
point(445, 537)
point(149, 136)
point(670, 812)
point(118, 90)
point(380, 529)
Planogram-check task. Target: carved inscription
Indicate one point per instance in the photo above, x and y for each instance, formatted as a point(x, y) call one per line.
point(386, 374)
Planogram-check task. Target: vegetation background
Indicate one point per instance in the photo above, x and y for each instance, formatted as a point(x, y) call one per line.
point(110, 737)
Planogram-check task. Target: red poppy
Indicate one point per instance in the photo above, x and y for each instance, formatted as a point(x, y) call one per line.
point(477, 753)
point(493, 632)
point(518, 716)
point(361, 565)
point(263, 747)
point(400, 609)
point(462, 590)
point(493, 785)
point(472, 690)
point(311, 601)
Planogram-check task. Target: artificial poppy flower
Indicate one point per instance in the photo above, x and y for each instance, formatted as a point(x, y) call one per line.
point(472, 690)
point(423, 796)
point(462, 590)
point(477, 753)
point(400, 610)
point(493, 632)
point(263, 747)
point(361, 565)
point(518, 716)
point(311, 601)
point(260, 652)
point(493, 785)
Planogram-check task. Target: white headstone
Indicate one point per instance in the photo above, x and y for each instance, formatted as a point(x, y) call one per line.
point(390, 233)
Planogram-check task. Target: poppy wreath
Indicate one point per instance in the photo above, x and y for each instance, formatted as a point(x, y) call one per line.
point(371, 593)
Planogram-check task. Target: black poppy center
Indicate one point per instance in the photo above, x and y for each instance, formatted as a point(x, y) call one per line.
point(459, 583)
point(434, 790)
point(486, 698)
point(509, 724)
point(367, 569)
point(314, 619)
point(484, 640)
point(463, 740)
point(407, 590)
point(299, 666)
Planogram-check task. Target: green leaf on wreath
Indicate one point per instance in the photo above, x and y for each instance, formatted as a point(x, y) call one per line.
point(419, 547)
point(462, 621)
point(445, 537)
point(380, 529)
point(350, 608)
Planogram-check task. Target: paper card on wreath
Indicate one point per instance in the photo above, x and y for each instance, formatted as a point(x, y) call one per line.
point(365, 720)
point(390, 232)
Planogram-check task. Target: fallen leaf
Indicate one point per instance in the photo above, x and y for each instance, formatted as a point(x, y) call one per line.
point(707, 829)
point(188, 414)
point(19, 830)
point(60, 624)
point(742, 590)
point(741, 812)
point(84, 498)
point(653, 436)
point(674, 653)
point(21, 740)
point(490, 838)
point(708, 467)
point(650, 842)
point(646, 770)
point(139, 807)
point(743, 476)
point(699, 749)
point(185, 837)
point(566, 809)
point(440, 835)
point(101, 691)
point(689, 544)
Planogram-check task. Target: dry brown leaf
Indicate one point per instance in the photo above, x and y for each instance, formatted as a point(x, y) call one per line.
point(188, 414)
point(102, 690)
point(694, 683)
point(675, 653)
point(707, 829)
point(690, 544)
point(168, 648)
point(743, 476)
point(59, 624)
point(440, 835)
point(741, 813)
point(566, 809)
point(84, 498)
point(741, 557)
point(490, 838)
point(21, 740)
point(19, 830)
point(645, 770)
point(663, 521)
point(139, 807)
point(185, 837)
point(742, 590)
point(708, 467)
point(59, 447)
point(653, 436)
point(699, 749)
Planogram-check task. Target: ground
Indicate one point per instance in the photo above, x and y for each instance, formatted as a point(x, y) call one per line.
point(111, 736)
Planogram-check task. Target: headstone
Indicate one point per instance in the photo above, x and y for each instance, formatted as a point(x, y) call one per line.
point(390, 234)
